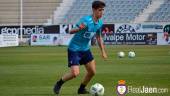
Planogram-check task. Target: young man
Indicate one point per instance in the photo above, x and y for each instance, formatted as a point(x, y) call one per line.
point(79, 48)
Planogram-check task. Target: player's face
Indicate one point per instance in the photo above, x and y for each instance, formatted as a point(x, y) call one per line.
point(98, 12)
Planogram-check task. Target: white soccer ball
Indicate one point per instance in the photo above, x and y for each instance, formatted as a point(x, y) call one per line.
point(97, 90)
point(131, 54)
point(121, 54)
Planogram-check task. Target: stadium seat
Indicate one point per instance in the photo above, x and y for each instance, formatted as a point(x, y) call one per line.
point(35, 12)
point(162, 14)
point(117, 11)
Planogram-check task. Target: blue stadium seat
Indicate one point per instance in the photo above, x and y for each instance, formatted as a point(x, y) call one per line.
point(162, 14)
point(117, 11)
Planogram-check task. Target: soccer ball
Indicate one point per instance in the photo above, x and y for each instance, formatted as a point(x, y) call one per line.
point(97, 90)
point(121, 54)
point(131, 54)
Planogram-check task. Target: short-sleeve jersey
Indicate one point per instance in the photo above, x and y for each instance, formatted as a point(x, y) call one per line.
point(81, 40)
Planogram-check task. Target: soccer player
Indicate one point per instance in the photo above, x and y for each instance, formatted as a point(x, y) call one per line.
point(79, 48)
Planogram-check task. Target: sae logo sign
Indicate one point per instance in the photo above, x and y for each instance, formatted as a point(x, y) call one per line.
point(121, 88)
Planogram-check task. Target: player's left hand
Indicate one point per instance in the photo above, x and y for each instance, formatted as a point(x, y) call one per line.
point(104, 55)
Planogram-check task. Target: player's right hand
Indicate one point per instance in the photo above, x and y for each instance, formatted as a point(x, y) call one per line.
point(82, 26)
point(75, 30)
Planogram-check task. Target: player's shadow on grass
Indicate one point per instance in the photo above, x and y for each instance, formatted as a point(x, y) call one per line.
point(63, 94)
point(36, 95)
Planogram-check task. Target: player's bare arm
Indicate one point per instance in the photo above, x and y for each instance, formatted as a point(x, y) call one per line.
point(101, 45)
point(75, 30)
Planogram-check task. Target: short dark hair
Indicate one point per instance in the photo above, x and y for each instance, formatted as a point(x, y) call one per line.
point(98, 4)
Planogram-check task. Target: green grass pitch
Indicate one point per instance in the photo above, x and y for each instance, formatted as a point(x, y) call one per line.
point(32, 71)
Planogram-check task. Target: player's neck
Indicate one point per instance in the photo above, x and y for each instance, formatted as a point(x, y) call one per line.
point(95, 19)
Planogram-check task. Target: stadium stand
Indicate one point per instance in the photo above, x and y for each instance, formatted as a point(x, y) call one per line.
point(162, 14)
point(62, 10)
point(9, 11)
point(151, 8)
point(38, 12)
point(117, 11)
point(35, 12)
